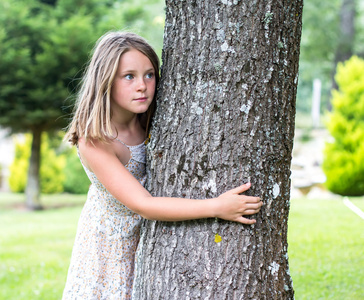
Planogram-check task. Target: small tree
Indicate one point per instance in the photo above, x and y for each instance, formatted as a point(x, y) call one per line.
point(344, 156)
point(40, 55)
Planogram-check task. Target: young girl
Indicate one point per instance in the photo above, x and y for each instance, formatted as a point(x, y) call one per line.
point(109, 128)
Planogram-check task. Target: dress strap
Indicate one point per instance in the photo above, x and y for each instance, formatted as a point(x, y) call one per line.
point(137, 152)
point(131, 147)
point(120, 141)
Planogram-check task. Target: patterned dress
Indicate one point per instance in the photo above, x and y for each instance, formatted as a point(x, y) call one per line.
point(103, 256)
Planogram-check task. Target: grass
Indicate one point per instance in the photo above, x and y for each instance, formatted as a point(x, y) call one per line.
point(326, 242)
point(325, 248)
point(11, 201)
point(35, 247)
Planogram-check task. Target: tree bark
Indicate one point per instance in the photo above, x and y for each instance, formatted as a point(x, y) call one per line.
point(225, 116)
point(32, 190)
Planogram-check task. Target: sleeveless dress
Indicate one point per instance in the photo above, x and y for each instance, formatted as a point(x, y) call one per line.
point(103, 256)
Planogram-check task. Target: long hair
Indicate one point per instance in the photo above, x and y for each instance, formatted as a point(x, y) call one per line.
point(92, 115)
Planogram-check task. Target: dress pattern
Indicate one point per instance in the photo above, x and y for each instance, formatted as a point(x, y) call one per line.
point(103, 255)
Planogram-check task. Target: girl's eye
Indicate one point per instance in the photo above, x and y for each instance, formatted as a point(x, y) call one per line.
point(129, 77)
point(150, 75)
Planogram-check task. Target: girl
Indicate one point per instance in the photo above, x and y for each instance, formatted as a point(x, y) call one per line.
point(109, 128)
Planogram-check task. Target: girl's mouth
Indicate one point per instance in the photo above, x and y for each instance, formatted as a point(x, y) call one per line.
point(141, 99)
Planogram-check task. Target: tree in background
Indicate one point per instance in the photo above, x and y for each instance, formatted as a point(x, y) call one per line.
point(344, 156)
point(52, 176)
point(225, 115)
point(43, 48)
point(333, 30)
point(39, 58)
point(346, 39)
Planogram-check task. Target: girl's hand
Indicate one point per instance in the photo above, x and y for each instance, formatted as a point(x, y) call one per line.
point(232, 206)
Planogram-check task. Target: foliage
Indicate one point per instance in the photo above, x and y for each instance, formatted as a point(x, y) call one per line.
point(320, 39)
point(18, 169)
point(41, 51)
point(317, 48)
point(76, 181)
point(39, 58)
point(51, 171)
point(343, 163)
point(52, 176)
point(145, 17)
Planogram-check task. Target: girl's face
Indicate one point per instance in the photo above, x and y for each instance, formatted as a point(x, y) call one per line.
point(134, 84)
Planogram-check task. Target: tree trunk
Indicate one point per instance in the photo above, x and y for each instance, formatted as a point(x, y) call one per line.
point(32, 190)
point(225, 116)
point(345, 46)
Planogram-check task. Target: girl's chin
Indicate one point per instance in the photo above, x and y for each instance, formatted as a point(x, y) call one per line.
point(142, 110)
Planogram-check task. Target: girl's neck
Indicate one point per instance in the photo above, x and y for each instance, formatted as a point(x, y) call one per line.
point(129, 132)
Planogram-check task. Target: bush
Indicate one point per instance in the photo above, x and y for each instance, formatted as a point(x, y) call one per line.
point(18, 169)
point(344, 157)
point(51, 169)
point(76, 181)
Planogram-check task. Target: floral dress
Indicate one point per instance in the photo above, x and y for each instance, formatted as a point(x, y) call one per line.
point(103, 256)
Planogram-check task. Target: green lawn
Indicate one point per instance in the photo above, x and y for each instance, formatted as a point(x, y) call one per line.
point(35, 247)
point(326, 242)
point(326, 246)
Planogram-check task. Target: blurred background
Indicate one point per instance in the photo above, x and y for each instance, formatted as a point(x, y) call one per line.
point(44, 46)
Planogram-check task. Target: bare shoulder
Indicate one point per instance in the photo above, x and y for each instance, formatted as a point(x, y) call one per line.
point(94, 150)
point(93, 147)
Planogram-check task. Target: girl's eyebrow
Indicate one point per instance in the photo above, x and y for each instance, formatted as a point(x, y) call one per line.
point(133, 71)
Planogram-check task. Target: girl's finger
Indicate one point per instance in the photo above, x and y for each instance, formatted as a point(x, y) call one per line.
point(246, 221)
point(250, 212)
point(253, 205)
point(251, 199)
point(241, 189)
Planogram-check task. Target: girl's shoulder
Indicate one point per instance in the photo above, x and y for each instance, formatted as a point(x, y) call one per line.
point(95, 149)
point(92, 144)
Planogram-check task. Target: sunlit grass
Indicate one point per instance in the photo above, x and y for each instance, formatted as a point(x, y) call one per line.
point(35, 247)
point(11, 201)
point(325, 248)
point(326, 242)
point(359, 202)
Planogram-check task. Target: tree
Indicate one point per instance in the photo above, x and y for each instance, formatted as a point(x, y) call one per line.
point(317, 49)
point(345, 47)
point(332, 32)
point(39, 58)
point(52, 176)
point(225, 115)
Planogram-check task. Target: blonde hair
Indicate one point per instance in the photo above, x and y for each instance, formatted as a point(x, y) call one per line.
point(92, 115)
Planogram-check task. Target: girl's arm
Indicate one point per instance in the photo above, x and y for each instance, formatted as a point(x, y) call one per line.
point(101, 159)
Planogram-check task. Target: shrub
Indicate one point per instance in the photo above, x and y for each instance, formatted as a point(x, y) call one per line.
point(76, 181)
point(18, 169)
point(344, 156)
point(51, 169)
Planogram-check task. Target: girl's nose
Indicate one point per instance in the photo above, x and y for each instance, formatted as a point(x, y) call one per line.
point(141, 85)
